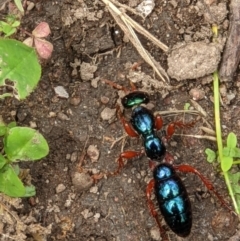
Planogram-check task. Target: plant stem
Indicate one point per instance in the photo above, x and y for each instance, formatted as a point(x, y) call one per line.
point(236, 162)
point(219, 136)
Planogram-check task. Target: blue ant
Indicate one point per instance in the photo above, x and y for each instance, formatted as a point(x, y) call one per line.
point(171, 194)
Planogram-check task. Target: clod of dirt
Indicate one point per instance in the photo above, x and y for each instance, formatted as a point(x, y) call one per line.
point(74, 156)
point(104, 99)
point(93, 153)
point(60, 188)
point(62, 116)
point(155, 234)
point(82, 181)
point(108, 114)
point(216, 13)
point(75, 101)
point(94, 82)
point(197, 94)
point(87, 70)
point(86, 213)
point(193, 60)
point(235, 237)
point(146, 7)
point(224, 220)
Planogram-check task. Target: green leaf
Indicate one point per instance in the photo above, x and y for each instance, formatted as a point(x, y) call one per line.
point(231, 140)
point(211, 155)
point(237, 152)
point(3, 161)
point(234, 177)
point(3, 128)
point(226, 163)
point(15, 24)
point(234, 182)
point(6, 28)
point(226, 151)
point(30, 191)
point(10, 32)
point(25, 144)
point(186, 106)
point(16, 169)
point(12, 124)
point(19, 64)
point(10, 184)
point(19, 5)
point(236, 188)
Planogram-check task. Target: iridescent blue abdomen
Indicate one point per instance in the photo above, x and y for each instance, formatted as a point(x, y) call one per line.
point(154, 148)
point(173, 199)
point(142, 121)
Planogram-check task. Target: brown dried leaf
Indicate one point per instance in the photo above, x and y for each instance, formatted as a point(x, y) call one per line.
point(42, 30)
point(43, 47)
point(28, 41)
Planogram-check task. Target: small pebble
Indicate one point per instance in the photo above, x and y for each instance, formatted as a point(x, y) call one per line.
point(52, 114)
point(93, 189)
point(30, 6)
point(197, 94)
point(108, 114)
point(96, 217)
point(93, 153)
point(75, 101)
point(68, 156)
point(60, 188)
point(61, 92)
point(155, 233)
point(94, 82)
point(86, 213)
point(82, 181)
point(87, 71)
point(74, 156)
point(33, 124)
point(21, 114)
point(104, 99)
point(62, 116)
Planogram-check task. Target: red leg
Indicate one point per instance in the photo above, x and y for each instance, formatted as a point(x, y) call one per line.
point(133, 86)
point(179, 124)
point(149, 190)
point(114, 85)
point(125, 155)
point(158, 122)
point(119, 87)
point(207, 183)
point(128, 128)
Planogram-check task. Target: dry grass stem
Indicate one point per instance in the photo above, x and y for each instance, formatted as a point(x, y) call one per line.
point(210, 138)
point(199, 108)
point(128, 25)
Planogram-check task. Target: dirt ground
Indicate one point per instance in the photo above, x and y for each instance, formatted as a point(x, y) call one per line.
point(87, 48)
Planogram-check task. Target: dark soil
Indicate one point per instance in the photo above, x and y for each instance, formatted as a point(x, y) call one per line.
point(115, 208)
